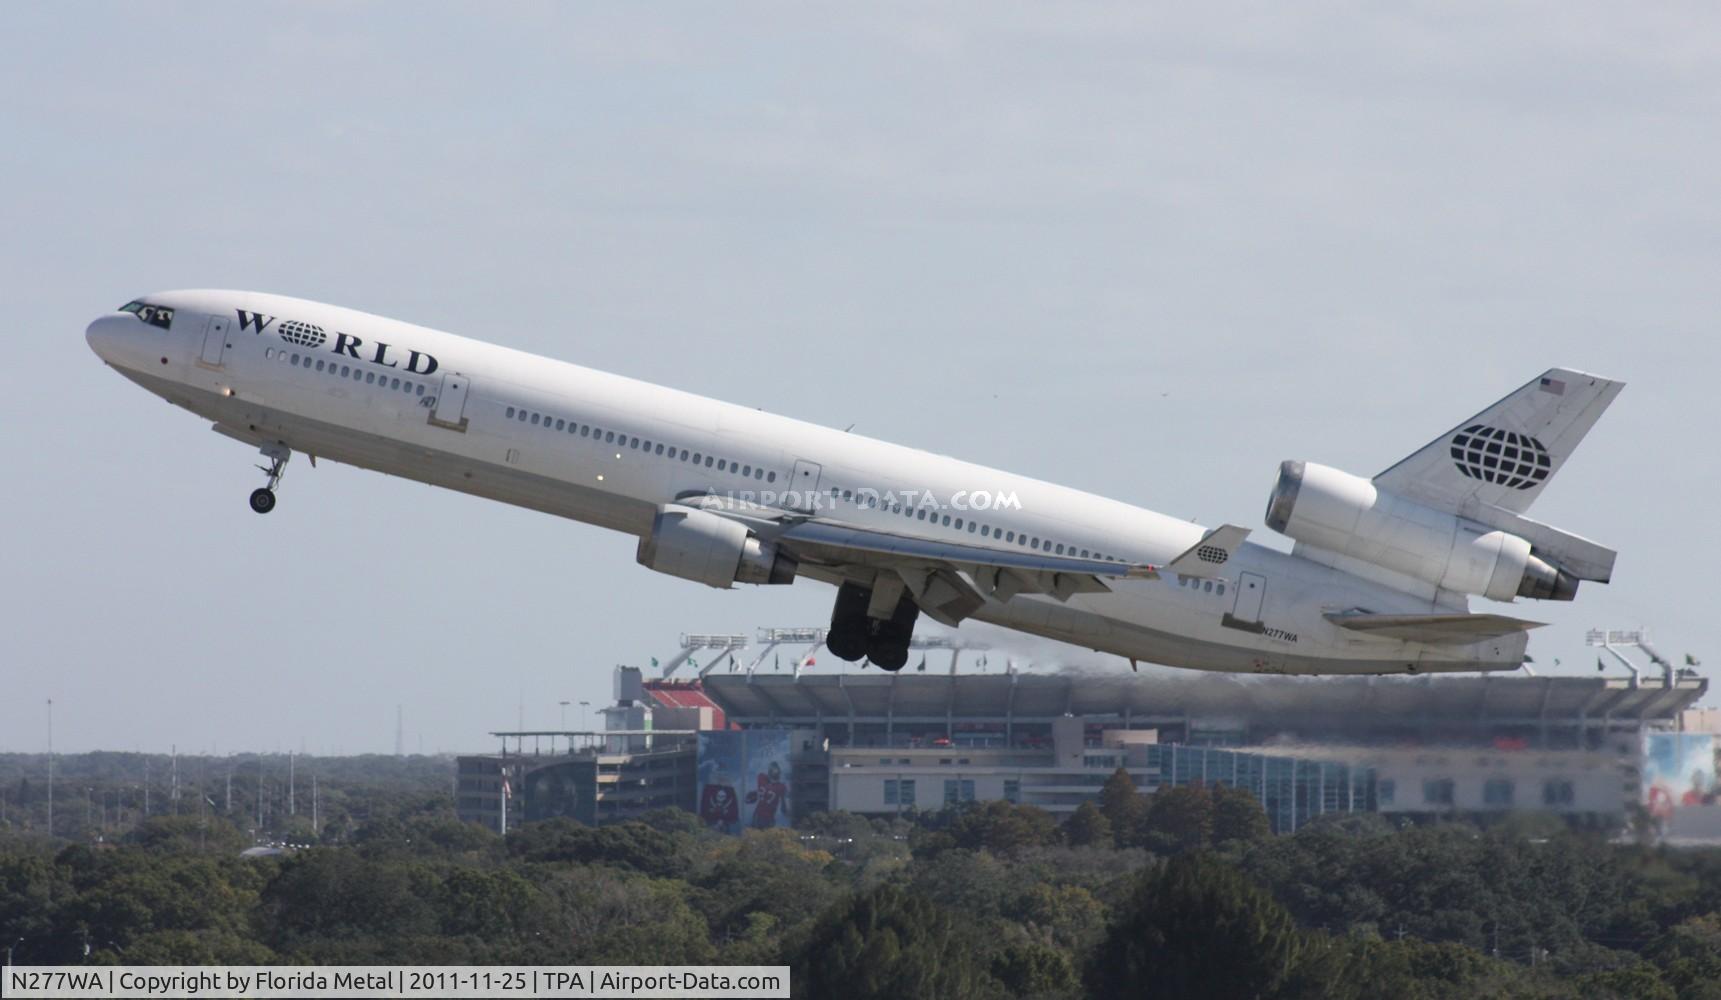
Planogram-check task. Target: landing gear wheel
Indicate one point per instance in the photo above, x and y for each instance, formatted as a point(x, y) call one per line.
point(848, 637)
point(888, 646)
point(263, 498)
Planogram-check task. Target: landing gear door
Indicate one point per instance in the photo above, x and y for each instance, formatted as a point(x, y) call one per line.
point(214, 342)
point(803, 486)
point(1251, 589)
point(449, 408)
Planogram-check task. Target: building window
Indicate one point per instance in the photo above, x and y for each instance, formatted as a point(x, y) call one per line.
point(907, 794)
point(1497, 792)
point(1012, 790)
point(1384, 791)
point(951, 789)
point(1437, 791)
point(1557, 793)
point(890, 792)
point(967, 790)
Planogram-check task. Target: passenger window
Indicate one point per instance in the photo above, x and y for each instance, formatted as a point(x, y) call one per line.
point(1221, 590)
point(269, 353)
point(722, 465)
point(585, 430)
point(708, 461)
point(920, 514)
point(510, 413)
point(696, 457)
point(295, 359)
point(1060, 548)
point(660, 448)
point(1009, 536)
point(393, 383)
point(746, 470)
point(985, 531)
point(609, 437)
point(534, 420)
point(684, 454)
point(947, 520)
point(319, 364)
point(971, 527)
point(345, 371)
point(633, 442)
point(559, 423)
point(370, 378)
point(959, 524)
point(1208, 587)
point(771, 478)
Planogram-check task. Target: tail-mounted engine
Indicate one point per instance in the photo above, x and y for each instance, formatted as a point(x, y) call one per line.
point(1335, 512)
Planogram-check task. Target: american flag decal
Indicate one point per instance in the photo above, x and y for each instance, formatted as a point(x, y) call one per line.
point(1554, 386)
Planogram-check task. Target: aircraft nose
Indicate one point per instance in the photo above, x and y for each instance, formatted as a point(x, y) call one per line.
point(108, 335)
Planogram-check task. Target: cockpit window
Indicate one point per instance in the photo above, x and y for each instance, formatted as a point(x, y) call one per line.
point(160, 316)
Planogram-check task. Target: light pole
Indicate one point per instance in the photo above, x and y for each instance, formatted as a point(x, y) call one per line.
point(50, 767)
point(564, 705)
point(583, 706)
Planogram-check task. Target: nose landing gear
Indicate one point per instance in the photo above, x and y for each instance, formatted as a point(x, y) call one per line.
point(263, 498)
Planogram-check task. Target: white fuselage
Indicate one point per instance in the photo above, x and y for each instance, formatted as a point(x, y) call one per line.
point(607, 450)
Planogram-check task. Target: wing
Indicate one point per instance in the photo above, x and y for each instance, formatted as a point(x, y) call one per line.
point(949, 580)
point(1215, 549)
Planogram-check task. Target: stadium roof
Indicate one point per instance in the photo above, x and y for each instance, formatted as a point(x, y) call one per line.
point(756, 699)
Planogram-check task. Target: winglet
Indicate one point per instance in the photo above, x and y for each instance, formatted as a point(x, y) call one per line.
point(1208, 556)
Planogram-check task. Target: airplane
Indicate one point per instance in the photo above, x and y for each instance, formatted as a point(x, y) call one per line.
point(1378, 580)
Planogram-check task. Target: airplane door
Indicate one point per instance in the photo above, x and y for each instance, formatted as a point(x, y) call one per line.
point(805, 481)
point(1250, 591)
point(450, 408)
point(214, 341)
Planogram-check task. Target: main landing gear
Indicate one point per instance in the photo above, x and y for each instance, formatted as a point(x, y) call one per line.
point(855, 633)
point(263, 498)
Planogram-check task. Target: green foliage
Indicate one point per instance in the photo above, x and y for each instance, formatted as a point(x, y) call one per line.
point(1088, 827)
point(1123, 807)
point(887, 944)
point(1197, 928)
point(1004, 828)
point(1033, 970)
point(986, 900)
point(1178, 819)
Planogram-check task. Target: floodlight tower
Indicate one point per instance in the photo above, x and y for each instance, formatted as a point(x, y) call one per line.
point(1613, 639)
point(694, 641)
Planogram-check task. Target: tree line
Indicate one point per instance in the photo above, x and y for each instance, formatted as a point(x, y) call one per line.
point(1184, 893)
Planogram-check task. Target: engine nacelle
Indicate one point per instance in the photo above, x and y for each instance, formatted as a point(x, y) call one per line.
point(1325, 508)
point(700, 546)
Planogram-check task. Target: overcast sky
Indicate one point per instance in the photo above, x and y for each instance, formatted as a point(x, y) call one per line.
point(1147, 252)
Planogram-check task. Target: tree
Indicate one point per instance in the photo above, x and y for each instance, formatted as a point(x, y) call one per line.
point(1179, 819)
point(1238, 816)
point(1197, 928)
point(1004, 828)
point(1030, 969)
point(1123, 807)
point(1088, 827)
point(887, 944)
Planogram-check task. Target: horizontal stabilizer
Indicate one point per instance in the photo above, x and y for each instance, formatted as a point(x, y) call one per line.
point(1440, 630)
point(1209, 556)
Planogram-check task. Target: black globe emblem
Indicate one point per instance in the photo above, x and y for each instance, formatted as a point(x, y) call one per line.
point(1494, 455)
point(303, 334)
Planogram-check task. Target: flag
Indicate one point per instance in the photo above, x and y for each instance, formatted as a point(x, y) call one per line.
point(1556, 661)
point(777, 662)
point(654, 661)
point(922, 667)
point(1692, 661)
point(692, 664)
point(1599, 666)
point(810, 661)
point(1554, 386)
point(507, 789)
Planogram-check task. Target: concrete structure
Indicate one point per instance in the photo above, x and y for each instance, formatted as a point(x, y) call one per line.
point(1414, 747)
